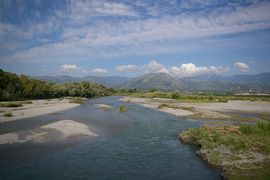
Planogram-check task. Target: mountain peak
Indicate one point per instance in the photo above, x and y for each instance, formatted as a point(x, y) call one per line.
point(160, 81)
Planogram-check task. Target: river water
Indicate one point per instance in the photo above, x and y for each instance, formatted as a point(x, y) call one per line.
point(139, 144)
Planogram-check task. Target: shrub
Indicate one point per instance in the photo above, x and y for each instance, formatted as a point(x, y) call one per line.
point(122, 109)
point(11, 104)
point(162, 105)
point(8, 114)
point(78, 100)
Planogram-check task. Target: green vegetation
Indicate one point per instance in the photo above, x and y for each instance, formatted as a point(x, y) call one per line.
point(14, 87)
point(122, 109)
point(168, 106)
point(200, 98)
point(7, 114)
point(175, 107)
point(244, 148)
point(78, 100)
point(11, 104)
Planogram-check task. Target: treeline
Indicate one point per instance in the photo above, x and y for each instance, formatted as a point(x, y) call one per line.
point(14, 87)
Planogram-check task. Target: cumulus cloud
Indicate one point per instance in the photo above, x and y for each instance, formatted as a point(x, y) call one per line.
point(151, 67)
point(100, 71)
point(154, 66)
point(69, 67)
point(242, 66)
point(184, 70)
point(127, 68)
point(190, 69)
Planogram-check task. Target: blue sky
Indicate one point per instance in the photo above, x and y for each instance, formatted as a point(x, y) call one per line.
point(133, 37)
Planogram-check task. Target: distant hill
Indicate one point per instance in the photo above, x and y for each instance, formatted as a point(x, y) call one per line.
point(108, 81)
point(234, 83)
point(262, 78)
point(160, 81)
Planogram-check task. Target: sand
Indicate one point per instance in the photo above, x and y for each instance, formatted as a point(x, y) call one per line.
point(70, 128)
point(176, 112)
point(52, 132)
point(10, 138)
point(37, 108)
point(204, 110)
point(103, 106)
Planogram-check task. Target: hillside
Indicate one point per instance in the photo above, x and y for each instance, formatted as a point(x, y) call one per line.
point(160, 81)
point(262, 78)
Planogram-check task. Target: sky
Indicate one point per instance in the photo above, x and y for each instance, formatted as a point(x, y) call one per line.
point(132, 37)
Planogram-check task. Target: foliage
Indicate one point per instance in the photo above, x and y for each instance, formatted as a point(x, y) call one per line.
point(262, 128)
point(11, 104)
point(7, 114)
point(235, 148)
point(200, 98)
point(122, 109)
point(77, 100)
point(14, 87)
point(246, 136)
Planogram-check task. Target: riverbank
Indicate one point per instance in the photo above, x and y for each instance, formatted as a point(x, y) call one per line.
point(52, 132)
point(27, 109)
point(243, 152)
point(231, 110)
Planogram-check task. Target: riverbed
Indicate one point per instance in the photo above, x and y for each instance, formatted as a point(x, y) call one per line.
point(141, 143)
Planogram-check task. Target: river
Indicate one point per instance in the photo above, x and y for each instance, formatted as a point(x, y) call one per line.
point(139, 144)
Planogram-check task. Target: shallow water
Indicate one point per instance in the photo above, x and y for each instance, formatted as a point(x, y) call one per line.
point(138, 144)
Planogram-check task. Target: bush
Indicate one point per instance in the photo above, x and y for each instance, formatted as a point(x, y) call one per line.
point(78, 100)
point(122, 109)
point(11, 104)
point(162, 105)
point(175, 95)
point(8, 114)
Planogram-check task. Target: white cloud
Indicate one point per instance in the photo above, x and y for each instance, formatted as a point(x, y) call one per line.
point(87, 37)
point(242, 66)
point(82, 11)
point(155, 67)
point(69, 67)
point(184, 70)
point(100, 71)
point(116, 9)
point(127, 68)
point(190, 69)
point(186, 4)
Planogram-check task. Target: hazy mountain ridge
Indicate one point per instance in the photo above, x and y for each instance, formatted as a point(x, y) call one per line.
point(204, 83)
point(165, 82)
point(160, 81)
point(262, 78)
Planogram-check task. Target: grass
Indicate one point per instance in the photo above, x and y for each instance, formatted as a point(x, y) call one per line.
point(7, 114)
point(239, 147)
point(122, 109)
point(199, 98)
point(27, 102)
point(78, 100)
point(175, 107)
point(11, 104)
point(168, 106)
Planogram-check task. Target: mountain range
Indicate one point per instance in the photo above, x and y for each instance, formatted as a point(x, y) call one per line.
point(165, 82)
